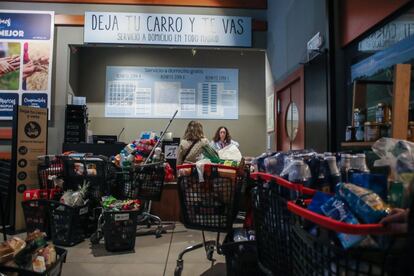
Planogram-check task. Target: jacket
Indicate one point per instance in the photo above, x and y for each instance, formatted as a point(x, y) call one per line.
point(195, 152)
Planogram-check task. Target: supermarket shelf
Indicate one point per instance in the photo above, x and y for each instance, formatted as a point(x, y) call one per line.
point(357, 144)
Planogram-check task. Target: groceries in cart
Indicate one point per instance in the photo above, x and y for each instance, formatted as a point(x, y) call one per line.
point(33, 252)
point(112, 204)
point(76, 198)
point(350, 204)
point(398, 155)
point(137, 151)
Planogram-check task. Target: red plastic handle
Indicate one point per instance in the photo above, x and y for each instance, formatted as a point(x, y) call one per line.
point(334, 225)
point(283, 182)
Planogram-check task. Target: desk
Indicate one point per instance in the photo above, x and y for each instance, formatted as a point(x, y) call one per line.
point(168, 208)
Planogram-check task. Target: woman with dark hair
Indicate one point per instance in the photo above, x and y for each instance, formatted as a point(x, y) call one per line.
point(191, 146)
point(222, 138)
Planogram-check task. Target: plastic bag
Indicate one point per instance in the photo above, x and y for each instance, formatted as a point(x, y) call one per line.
point(230, 152)
point(399, 156)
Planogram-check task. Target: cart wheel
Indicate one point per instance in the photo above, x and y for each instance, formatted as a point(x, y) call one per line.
point(158, 233)
point(210, 252)
point(96, 237)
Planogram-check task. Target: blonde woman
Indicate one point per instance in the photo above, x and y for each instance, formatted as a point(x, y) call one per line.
point(192, 143)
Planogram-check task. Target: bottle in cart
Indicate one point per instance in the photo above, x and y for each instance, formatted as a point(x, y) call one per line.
point(334, 174)
point(345, 166)
point(322, 183)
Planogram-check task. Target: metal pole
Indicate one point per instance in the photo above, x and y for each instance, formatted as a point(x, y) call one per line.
point(161, 137)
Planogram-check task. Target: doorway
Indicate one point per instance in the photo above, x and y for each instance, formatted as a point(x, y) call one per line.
point(290, 112)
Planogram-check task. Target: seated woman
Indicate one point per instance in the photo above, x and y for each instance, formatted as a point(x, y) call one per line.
point(191, 146)
point(222, 138)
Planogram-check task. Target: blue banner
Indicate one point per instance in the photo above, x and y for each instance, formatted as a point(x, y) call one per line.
point(32, 26)
point(7, 103)
point(34, 100)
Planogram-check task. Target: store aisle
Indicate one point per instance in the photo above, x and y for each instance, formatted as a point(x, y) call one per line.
point(151, 257)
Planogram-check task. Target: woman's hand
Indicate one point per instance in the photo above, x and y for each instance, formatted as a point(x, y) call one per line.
point(397, 221)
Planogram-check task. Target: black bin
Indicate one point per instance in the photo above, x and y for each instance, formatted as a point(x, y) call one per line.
point(68, 224)
point(26, 270)
point(241, 257)
point(36, 215)
point(120, 230)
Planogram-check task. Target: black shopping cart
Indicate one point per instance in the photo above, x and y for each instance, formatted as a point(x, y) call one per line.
point(50, 170)
point(93, 171)
point(272, 221)
point(209, 202)
point(146, 183)
point(315, 254)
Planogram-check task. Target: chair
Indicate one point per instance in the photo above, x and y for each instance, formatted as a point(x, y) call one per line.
point(208, 202)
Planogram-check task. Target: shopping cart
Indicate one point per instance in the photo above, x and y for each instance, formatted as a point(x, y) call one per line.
point(209, 202)
point(93, 171)
point(50, 169)
point(315, 254)
point(146, 183)
point(272, 221)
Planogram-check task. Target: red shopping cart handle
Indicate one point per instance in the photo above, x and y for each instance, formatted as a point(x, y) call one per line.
point(334, 225)
point(283, 182)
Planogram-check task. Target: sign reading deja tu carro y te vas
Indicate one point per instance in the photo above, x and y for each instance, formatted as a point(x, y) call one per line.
point(167, 29)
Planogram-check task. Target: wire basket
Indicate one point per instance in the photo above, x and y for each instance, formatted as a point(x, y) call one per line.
point(272, 221)
point(314, 254)
point(48, 169)
point(93, 169)
point(210, 203)
point(144, 182)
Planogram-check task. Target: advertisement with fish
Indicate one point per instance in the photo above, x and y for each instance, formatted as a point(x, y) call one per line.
point(26, 51)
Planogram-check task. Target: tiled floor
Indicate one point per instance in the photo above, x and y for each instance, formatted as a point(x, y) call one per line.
point(151, 257)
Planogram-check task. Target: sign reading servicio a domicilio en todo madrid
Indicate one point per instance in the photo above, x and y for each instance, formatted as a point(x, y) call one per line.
point(167, 29)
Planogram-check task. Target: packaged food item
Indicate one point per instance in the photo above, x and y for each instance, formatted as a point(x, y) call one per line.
point(336, 209)
point(6, 252)
point(75, 198)
point(318, 200)
point(372, 131)
point(112, 204)
point(364, 203)
point(359, 133)
point(39, 264)
point(374, 182)
point(350, 134)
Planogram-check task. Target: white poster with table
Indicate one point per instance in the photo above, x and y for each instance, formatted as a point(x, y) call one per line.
point(26, 51)
point(157, 92)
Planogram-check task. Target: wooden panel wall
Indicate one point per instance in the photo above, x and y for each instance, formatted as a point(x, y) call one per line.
point(359, 16)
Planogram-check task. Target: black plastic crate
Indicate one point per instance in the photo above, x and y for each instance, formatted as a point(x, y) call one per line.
point(120, 230)
point(37, 216)
point(26, 270)
point(241, 257)
point(68, 224)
